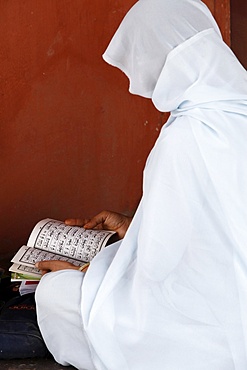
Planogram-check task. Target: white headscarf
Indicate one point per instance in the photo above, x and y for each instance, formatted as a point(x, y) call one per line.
point(173, 294)
point(149, 32)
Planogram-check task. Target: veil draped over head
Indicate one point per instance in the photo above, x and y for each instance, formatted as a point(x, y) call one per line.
point(149, 32)
point(172, 294)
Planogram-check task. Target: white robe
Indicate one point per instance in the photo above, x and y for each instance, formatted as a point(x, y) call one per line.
point(173, 293)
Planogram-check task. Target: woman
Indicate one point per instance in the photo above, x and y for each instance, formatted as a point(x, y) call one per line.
point(173, 293)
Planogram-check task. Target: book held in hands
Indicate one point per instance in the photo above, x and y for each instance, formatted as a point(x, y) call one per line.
point(54, 240)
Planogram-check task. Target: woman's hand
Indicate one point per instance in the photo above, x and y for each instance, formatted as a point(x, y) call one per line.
point(51, 266)
point(105, 220)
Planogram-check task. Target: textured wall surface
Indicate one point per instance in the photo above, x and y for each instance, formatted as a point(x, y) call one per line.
point(73, 140)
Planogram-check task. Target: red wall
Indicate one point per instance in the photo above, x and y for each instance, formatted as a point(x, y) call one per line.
point(73, 140)
point(239, 29)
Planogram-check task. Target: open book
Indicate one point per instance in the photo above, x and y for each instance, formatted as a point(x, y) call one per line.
point(54, 240)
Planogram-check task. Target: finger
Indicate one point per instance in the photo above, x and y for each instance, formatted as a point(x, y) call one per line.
point(43, 272)
point(95, 221)
point(44, 265)
point(76, 221)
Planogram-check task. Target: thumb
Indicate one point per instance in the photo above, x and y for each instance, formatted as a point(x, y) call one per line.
point(43, 265)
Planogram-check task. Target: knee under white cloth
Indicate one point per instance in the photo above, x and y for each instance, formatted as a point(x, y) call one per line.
point(58, 298)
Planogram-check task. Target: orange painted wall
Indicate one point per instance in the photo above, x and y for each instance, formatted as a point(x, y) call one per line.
point(73, 140)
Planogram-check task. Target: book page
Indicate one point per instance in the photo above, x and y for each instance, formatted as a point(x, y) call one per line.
point(27, 286)
point(26, 257)
point(23, 270)
point(70, 241)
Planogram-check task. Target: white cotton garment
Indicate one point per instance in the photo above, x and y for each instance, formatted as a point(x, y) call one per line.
point(173, 294)
point(58, 302)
